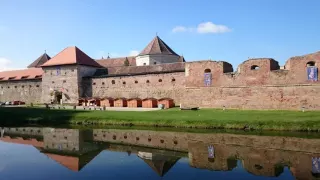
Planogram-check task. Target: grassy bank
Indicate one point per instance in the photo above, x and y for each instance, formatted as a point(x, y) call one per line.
point(205, 118)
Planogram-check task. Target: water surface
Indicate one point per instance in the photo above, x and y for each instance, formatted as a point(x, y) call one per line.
point(61, 153)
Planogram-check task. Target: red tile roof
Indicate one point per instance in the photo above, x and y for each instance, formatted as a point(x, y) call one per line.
point(157, 46)
point(115, 62)
point(31, 73)
point(69, 162)
point(71, 55)
point(132, 70)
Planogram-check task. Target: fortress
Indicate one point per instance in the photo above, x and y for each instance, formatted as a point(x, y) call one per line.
point(159, 72)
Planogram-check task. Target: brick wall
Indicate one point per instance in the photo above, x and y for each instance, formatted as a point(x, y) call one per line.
point(257, 84)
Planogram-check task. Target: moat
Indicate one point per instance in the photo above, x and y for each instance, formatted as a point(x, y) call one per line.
point(127, 153)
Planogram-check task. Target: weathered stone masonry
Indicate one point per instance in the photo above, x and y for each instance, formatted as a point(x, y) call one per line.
point(256, 83)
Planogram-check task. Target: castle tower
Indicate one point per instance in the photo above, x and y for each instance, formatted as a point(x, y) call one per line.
point(156, 52)
point(62, 77)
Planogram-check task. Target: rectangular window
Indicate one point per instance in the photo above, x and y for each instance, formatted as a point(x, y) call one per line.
point(58, 71)
point(312, 73)
point(207, 79)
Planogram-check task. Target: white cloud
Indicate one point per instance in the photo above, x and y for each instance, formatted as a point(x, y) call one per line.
point(134, 53)
point(202, 28)
point(209, 27)
point(6, 65)
point(179, 29)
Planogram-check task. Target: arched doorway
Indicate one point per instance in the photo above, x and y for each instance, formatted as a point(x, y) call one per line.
point(57, 97)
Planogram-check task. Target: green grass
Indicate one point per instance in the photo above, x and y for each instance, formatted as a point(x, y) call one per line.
point(205, 118)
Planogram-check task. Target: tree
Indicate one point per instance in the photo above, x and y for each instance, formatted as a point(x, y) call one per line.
point(126, 62)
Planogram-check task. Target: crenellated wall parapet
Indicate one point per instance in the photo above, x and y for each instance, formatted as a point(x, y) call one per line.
point(252, 72)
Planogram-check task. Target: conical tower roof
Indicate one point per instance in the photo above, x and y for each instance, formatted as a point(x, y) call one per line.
point(41, 60)
point(157, 46)
point(71, 55)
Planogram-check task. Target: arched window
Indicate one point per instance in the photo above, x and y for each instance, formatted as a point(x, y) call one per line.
point(255, 67)
point(207, 71)
point(113, 82)
point(136, 82)
point(102, 83)
point(160, 80)
point(311, 63)
point(173, 80)
point(147, 81)
point(94, 83)
point(123, 82)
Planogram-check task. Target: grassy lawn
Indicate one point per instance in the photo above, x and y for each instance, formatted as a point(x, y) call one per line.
point(205, 118)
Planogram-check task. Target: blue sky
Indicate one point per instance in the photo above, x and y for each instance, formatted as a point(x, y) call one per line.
point(229, 30)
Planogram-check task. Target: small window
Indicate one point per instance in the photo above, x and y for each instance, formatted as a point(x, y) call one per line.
point(30, 86)
point(136, 82)
point(52, 82)
point(102, 83)
point(8, 87)
point(207, 71)
point(144, 64)
point(94, 83)
point(1, 87)
point(173, 80)
point(123, 82)
point(15, 86)
point(22, 86)
point(160, 80)
point(113, 82)
point(155, 63)
point(255, 67)
point(64, 81)
point(311, 63)
point(37, 86)
point(72, 70)
point(65, 73)
point(147, 81)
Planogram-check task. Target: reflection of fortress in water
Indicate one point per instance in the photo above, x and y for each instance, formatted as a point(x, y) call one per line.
point(259, 155)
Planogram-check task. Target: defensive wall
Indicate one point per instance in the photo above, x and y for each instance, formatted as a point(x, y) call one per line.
point(256, 83)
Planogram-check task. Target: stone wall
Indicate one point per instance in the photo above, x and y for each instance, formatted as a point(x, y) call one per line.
point(142, 86)
point(27, 91)
point(68, 80)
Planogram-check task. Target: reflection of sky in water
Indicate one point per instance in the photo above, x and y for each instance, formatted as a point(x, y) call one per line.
point(26, 162)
